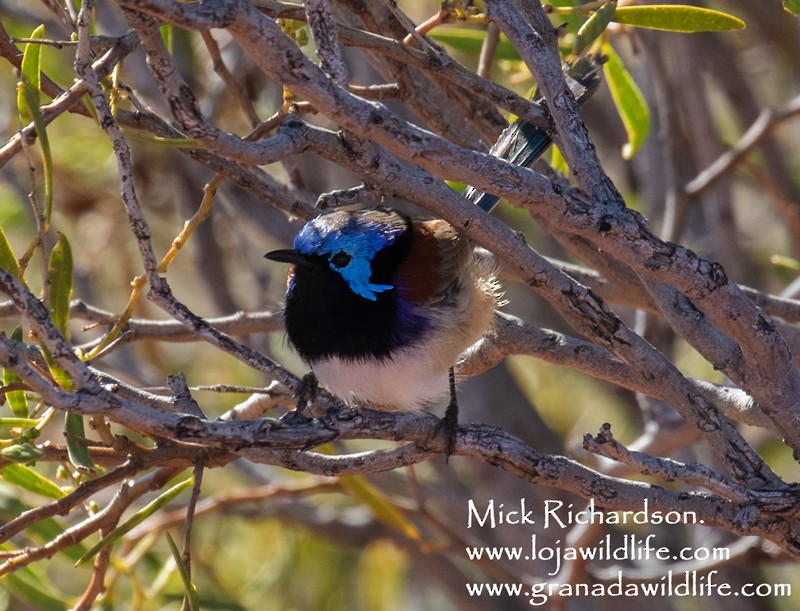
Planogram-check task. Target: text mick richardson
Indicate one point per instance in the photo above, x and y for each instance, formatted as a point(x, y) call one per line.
point(558, 514)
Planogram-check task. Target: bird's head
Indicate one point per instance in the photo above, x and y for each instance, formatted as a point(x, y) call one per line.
point(362, 247)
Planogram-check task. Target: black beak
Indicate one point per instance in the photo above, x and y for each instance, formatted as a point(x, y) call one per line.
point(288, 255)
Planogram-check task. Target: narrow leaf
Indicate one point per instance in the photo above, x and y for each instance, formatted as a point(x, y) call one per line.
point(792, 6)
point(60, 271)
point(189, 589)
point(786, 262)
point(557, 161)
point(10, 423)
point(470, 41)
point(677, 18)
point(140, 136)
point(30, 86)
point(29, 91)
point(58, 372)
point(629, 101)
point(30, 480)
point(8, 261)
point(32, 588)
point(78, 453)
point(168, 36)
point(383, 509)
point(17, 400)
point(593, 27)
point(136, 519)
point(43, 531)
point(22, 453)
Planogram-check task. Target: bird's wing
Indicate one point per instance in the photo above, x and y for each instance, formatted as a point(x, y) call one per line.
point(434, 268)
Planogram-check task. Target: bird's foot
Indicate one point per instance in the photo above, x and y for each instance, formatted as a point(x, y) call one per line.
point(306, 394)
point(448, 426)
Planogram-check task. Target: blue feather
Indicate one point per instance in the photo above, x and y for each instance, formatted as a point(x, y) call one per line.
point(356, 241)
point(522, 143)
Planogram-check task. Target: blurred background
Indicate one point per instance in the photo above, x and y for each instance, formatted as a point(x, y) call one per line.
point(269, 539)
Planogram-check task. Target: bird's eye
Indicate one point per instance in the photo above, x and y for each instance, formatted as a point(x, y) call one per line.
point(340, 259)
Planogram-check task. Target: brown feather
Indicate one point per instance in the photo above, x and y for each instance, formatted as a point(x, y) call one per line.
point(430, 274)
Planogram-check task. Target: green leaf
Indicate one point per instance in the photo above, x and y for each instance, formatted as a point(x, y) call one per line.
point(29, 88)
point(594, 26)
point(35, 589)
point(557, 161)
point(58, 372)
point(136, 519)
point(471, 41)
point(43, 531)
point(168, 36)
point(629, 101)
point(383, 508)
point(786, 262)
point(8, 261)
point(22, 453)
point(29, 91)
point(179, 143)
point(792, 6)
point(60, 272)
point(190, 590)
point(17, 400)
point(677, 18)
point(30, 480)
point(10, 423)
point(78, 453)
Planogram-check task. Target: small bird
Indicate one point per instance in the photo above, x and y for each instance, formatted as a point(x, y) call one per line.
point(380, 305)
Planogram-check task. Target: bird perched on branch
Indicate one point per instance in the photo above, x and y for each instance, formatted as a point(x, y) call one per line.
point(380, 305)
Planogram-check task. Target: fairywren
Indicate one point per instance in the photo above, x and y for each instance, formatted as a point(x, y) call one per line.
point(380, 305)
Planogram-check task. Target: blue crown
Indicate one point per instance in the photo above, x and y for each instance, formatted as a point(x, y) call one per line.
point(350, 243)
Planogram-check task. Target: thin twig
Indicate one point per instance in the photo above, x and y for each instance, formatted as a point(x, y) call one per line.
point(108, 517)
point(63, 506)
point(231, 83)
point(191, 507)
point(696, 474)
point(767, 121)
point(323, 28)
point(488, 49)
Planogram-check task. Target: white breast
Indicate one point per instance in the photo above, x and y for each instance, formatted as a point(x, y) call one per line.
point(417, 375)
point(409, 381)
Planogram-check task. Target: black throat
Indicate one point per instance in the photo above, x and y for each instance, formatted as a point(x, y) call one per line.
point(325, 318)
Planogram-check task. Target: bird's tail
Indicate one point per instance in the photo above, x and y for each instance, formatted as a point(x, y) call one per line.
point(521, 143)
